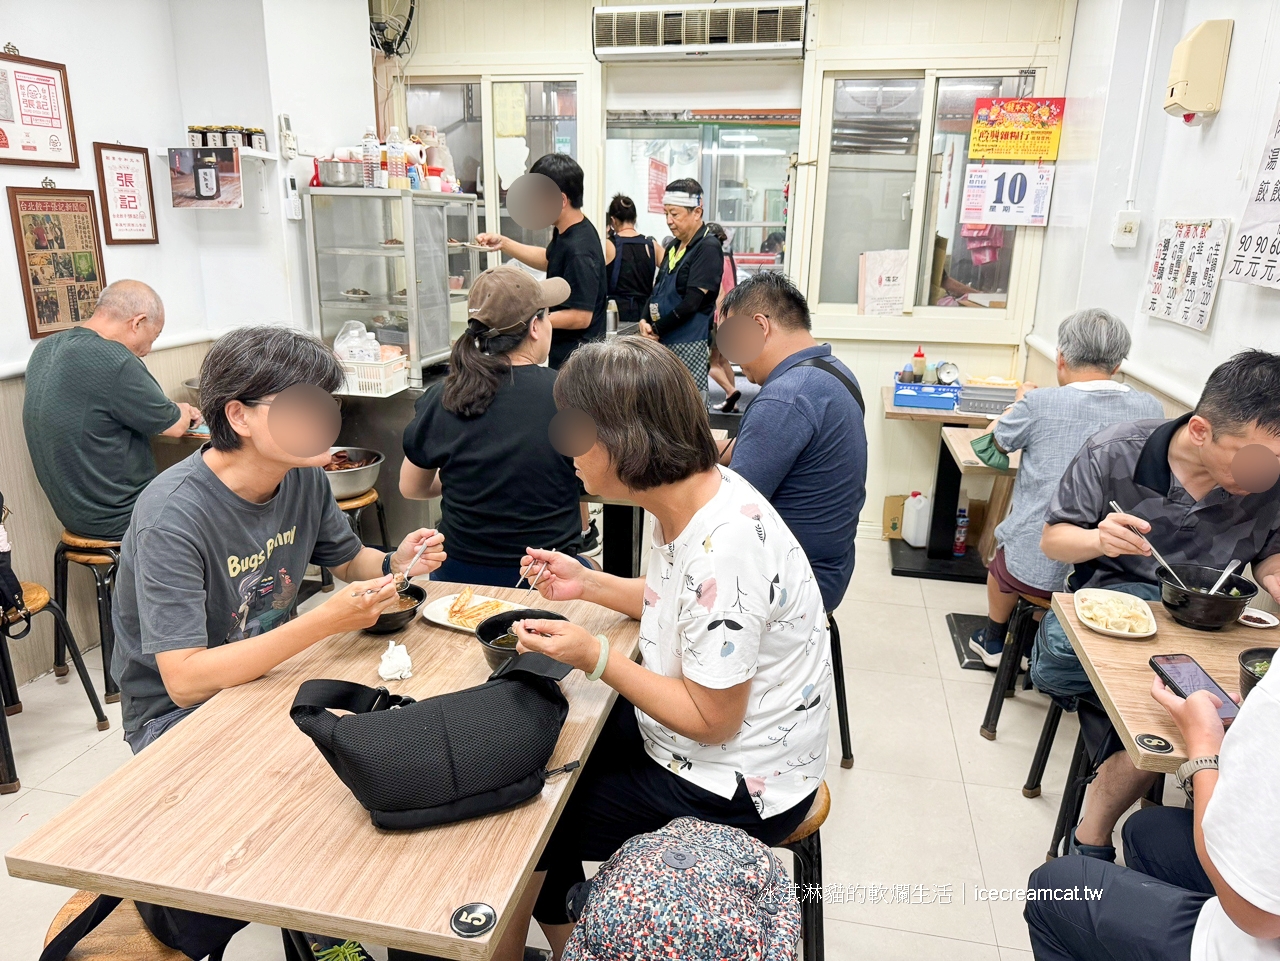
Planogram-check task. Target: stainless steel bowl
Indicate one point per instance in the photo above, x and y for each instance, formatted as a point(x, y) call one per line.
point(341, 173)
point(192, 384)
point(352, 483)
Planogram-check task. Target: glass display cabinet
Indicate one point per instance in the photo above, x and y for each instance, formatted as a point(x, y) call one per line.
point(393, 260)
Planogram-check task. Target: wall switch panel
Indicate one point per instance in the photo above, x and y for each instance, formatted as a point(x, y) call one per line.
point(1124, 232)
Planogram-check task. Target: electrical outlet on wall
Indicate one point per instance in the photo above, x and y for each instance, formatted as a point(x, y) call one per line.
point(1124, 232)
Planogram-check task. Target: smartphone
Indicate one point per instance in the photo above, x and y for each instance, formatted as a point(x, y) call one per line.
point(1182, 675)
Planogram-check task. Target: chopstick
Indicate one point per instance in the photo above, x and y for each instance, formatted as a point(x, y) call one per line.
point(1154, 553)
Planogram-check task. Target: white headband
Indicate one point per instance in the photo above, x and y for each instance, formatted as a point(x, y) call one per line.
point(679, 198)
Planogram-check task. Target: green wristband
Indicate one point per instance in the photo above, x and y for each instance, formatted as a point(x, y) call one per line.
point(603, 662)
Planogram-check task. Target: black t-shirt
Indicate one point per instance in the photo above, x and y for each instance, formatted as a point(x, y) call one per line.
point(505, 487)
point(577, 255)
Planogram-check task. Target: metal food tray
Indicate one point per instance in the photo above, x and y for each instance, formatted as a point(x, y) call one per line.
point(986, 400)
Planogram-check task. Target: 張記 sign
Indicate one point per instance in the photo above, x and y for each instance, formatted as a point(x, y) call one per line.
point(1255, 255)
point(1185, 269)
point(1007, 194)
point(1020, 128)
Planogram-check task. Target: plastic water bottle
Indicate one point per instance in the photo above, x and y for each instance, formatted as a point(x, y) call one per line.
point(370, 156)
point(959, 544)
point(397, 179)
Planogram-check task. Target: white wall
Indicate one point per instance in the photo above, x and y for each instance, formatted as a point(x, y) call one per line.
point(1185, 172)
point(722, 86)
point(123, 82)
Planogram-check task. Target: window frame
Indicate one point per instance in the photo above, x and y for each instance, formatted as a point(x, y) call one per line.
point(919, 323)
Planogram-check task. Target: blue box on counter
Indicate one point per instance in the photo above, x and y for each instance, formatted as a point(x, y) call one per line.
point(931, 396)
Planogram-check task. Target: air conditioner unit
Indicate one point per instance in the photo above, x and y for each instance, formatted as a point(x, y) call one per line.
point(707, 31)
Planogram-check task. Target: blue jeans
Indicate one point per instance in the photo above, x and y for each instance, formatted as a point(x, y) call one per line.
point(1055, 669)
point(148, 733)
point(1145, 912)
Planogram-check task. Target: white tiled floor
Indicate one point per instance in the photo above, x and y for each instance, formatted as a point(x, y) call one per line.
point(929, 801)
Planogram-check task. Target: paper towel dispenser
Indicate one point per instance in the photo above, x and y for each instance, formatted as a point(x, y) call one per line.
point(1197, 72)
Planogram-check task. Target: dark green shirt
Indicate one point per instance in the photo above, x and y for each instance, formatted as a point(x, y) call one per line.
point(90, 410)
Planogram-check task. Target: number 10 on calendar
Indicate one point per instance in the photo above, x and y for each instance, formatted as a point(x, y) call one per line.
point(1007, 194)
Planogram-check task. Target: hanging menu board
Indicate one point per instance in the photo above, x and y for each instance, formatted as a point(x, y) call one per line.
point(1185, 269)
point(1019, 128)
point(1255, 256)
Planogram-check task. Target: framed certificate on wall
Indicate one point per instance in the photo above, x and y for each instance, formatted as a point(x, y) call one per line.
point(35, 113)
point(124, 185)
point(55, 233)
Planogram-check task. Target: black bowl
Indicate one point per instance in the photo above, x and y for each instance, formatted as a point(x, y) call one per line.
point(1198, 610)
point(492, 628)
point(1248, 679)
point(393, 621)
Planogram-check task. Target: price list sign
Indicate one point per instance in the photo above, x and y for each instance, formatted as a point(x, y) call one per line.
point(1255, 255)
point(1185, 270)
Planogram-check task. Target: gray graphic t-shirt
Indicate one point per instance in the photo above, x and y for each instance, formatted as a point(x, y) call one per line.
point(200, 566)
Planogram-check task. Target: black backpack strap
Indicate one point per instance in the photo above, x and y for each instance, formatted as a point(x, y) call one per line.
point(346, 696)
point(80, 925)
point(534, 664)
point(835, 371)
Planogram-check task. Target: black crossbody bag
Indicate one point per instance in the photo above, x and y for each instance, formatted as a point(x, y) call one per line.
point(415, 764)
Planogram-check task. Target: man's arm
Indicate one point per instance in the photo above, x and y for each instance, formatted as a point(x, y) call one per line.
point(1267, 573)
point(187, 419)
point(571, 319)
point(535, 257)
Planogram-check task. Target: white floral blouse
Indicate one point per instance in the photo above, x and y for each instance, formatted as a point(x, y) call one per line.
point(733, 599)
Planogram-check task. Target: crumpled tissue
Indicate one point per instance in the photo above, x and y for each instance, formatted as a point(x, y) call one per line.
point(396, 664)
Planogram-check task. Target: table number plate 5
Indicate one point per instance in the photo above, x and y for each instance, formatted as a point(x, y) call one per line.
point(473, 920)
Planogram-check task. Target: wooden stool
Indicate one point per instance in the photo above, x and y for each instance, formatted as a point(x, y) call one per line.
point(121, 937)
point(353, 507)
point(1017, 645)
point(806, 844)
point(842, 704)
point(102, 557)
point(36, 599)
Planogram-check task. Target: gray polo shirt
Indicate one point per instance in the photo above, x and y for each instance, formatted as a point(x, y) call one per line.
point(1129, 463)
point(1049, 426)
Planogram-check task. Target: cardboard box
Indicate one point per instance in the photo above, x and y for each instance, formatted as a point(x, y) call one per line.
point(893, 506)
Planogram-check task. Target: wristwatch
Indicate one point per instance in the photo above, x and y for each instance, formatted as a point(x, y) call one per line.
point(1187, 770)
point(386, 562)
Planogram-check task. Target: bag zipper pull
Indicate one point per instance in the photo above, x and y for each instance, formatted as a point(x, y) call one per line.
point(571, 766)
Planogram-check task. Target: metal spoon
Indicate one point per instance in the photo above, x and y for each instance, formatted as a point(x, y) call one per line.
point(412, 564)
point(1225, 574)
point(1154, 553)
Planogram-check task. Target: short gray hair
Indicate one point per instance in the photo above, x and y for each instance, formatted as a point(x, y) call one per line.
point(128, 298)
point(1093, 338)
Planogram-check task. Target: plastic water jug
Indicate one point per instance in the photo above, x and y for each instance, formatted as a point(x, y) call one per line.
point(915, 520)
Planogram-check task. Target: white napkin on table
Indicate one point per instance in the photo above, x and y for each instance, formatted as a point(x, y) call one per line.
point(396, 664)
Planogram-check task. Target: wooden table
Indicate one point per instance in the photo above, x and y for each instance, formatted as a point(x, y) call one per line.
point(959, 444)
point(936, 560)
point(1122, 677)
point(234, 812)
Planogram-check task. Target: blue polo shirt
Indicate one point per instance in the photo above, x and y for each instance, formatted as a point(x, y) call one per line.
point(803, 445)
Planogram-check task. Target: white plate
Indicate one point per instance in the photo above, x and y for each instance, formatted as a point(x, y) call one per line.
point(1271, 619)
point(1101, 594)
point(356, 296)
point(437, 612)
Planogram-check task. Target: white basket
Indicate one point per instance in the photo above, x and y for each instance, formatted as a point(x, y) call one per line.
point(375, 379)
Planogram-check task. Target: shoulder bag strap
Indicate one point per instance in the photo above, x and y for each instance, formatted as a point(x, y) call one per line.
point(835, 371)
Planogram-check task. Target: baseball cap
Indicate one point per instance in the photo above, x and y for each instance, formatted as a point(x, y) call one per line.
point(508, 296)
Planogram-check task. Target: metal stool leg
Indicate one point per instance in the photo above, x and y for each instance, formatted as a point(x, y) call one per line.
point(1006, 673)
point(9, 783)
point(106, 634)
point(8, 681)
point(1043, 747)
point(808, 855)
point(60, 597)
point(382, 526)
point(326, 579)
point(1072, 798)
point(353, 518)
point(842, 703)
point(61, 618)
